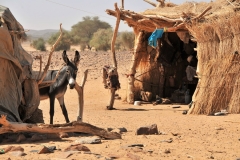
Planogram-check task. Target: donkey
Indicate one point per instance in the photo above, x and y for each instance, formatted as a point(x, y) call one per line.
point(67, 76)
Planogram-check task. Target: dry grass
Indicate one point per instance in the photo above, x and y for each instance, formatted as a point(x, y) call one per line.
point(218, 66)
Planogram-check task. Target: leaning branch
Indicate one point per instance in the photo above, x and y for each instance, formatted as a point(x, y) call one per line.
point(9, 127)
point(130, 21)
point(79, 90)
point(115, 35)
point(49, 83)
point(147, 22)
point(202, 14)
point(113, 90)
point(150, 2)
point(40, 70)
point(50, 56)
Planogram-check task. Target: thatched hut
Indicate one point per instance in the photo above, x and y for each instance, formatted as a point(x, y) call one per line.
point(19, 84)
point(209, 31)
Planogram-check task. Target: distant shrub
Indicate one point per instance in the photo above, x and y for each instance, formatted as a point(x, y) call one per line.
point(64, 43)
point(39, 44)
point(101, 39)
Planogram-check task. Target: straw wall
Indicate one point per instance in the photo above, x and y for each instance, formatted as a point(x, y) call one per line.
point(218, 66)
point(147, 71)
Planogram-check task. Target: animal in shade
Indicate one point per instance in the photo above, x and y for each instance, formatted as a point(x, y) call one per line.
point(67, 76)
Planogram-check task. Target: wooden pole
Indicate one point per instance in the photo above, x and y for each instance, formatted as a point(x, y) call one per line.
point(50, 56)
point(115, 36)
point(79, 89)
point(110, 106)
point(122, 4)
point(130, 96)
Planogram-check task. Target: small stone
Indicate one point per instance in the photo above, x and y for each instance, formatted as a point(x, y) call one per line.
point(18, 153)
point(188, 156)
point(147, 130)
point(67, 154)
point(184, 112)
point(175, 134)
point(52, 136)
point(89, 140)
point(45, 150)
point(219, 114)
point(168, 141)
point(113, 156)
point(109, 129)
point(36, 137)
point(21, 138)
point(176, 107)
point(76, 147)
point(218, 128)
point(136, 145)
point(63, 135)
point(167, 151)
point(133, 157)
point(116, 130)
point(13, 148)
point(150, 151)
point(123, 129)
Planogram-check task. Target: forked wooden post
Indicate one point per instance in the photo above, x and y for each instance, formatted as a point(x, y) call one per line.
point(130, 96)
point(50, 56)
point(122, 4)
point(79, 89)
point(110, 106)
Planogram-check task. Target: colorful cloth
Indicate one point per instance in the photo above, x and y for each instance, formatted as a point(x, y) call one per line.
point(152, 40)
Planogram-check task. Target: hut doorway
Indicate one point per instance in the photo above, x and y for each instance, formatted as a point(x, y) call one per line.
point(178, 59)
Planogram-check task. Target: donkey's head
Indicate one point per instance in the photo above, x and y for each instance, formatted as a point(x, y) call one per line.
point(71, 68)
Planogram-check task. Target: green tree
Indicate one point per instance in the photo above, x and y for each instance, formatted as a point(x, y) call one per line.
point(39, 44)
point(64, 43)
point(83, 31)
point(127, 39)
point(101, 39)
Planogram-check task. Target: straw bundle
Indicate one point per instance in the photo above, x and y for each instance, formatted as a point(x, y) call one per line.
point(218, 66)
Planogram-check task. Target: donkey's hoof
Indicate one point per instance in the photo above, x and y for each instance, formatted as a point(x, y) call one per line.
point(110, 108)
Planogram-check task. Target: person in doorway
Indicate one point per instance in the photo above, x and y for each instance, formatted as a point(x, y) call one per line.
point(191, 80)
point(191, 68)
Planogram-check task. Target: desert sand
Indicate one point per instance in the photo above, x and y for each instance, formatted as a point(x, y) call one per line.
point(195, 137)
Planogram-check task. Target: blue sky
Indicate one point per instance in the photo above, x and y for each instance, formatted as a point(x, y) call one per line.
point(48, 14)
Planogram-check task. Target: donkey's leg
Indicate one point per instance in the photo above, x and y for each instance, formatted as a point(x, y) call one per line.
point(52, 100)
point(64, 110)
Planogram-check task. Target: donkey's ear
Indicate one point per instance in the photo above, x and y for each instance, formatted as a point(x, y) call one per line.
point(65, 57)
point(77, 58)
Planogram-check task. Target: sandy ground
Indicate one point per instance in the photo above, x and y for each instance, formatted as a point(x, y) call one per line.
point(197, 136)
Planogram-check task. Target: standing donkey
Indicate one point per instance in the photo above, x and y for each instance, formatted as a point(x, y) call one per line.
point(67, 76)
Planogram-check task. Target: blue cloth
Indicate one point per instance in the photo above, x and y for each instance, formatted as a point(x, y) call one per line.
point(152, 40)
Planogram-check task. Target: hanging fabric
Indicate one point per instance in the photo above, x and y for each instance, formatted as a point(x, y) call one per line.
point(152, 40)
